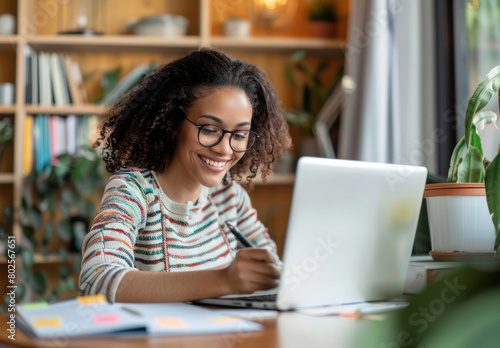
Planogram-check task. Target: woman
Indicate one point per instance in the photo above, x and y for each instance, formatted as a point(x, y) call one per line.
point(174, 144)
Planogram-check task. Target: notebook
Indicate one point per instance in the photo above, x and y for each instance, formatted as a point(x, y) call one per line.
point(349, 237)
point(86, 316)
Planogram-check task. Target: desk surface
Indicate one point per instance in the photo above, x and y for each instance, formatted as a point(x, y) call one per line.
point(287, 329)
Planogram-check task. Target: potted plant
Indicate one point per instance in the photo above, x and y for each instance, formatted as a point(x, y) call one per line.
point(322, 17)
point(460, 210)
point(312, 91)
point(6, 134)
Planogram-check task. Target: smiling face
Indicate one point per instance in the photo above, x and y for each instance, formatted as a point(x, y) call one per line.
point(196, 165)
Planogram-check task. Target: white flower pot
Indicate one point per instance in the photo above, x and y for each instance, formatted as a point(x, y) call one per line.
point(459, 219)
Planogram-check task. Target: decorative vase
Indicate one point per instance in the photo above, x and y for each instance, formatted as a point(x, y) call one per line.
point(237, 27)
point(459, 219)
point(322, 29)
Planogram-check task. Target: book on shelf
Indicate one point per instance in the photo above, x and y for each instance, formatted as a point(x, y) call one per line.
point(62, 65)
point(51, 136)
point(75, 77)
point(424, 271)
point(57, 81)
point(28, 75)
point(87, 316)
point(35, 91)
point(28, 145)
point(45, 81)
point(53, 79)
point(75, 91)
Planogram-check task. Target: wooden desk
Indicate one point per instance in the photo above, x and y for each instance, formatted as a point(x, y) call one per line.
point(288, 329)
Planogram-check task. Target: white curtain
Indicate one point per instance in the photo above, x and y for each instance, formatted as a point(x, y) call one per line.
point(389, 114)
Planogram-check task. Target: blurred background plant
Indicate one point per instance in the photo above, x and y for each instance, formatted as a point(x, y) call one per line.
point(6, 133)
point(312, 89)
point(58, 205)
point(322, 10)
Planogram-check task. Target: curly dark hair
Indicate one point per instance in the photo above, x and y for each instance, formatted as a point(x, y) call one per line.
point(141, 129)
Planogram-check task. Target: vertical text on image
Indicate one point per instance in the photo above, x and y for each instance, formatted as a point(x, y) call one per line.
point(11, 288)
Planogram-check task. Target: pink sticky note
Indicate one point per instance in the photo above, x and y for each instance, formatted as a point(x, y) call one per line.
point(107, 318)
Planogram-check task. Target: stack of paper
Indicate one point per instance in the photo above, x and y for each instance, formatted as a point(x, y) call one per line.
point(93, 315)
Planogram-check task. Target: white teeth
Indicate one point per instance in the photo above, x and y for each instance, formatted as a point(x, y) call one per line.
point(213, 163)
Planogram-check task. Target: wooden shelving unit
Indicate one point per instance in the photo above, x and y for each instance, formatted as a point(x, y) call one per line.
point(109, 49)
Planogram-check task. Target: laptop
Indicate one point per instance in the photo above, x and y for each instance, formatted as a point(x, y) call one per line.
point(349, 237)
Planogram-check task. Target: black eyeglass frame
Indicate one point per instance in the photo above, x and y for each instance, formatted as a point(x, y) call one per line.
point(200, 126)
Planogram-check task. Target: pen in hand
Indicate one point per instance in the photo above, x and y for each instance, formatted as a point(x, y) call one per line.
point(243, 240)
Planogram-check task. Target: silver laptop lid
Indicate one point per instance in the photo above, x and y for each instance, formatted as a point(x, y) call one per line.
point(350, 231)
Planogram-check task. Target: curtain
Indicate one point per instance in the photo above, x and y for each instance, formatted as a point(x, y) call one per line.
point(389, 112)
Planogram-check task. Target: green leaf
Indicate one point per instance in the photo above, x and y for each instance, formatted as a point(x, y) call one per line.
point(47, 202)
point(480, 98)
point(35, 217)
point(70, 283)
point(77, 263)
point(471, 169)
point(40, 281)
point(303, 68)
point(64, 230)
point(79, 232)
point(29, 233)
point(62, 286)
point(20, 291)
point(82, 167)
point(322, 66)
point(456, 159)
point(48, 232)
point(64, 272)
point(8, 211)
point(65, 209)
point(492, 185)
point(86, 208)
point(289, 73)
point(63, 253)
point(109, 80)
point(28, 257)
point(298, 55)
point(69, 196)
point(485, 117)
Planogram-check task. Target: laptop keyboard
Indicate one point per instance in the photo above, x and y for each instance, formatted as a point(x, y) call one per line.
point(257, 298)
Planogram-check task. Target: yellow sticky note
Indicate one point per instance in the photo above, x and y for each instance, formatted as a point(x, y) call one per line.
point(48, 322)
point(92, 299)
point(221, 320)
point(170, 322)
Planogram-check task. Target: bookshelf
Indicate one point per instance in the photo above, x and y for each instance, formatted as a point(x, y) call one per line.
point(37, 28)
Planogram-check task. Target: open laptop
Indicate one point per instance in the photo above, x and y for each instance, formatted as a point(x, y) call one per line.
point(349, 237)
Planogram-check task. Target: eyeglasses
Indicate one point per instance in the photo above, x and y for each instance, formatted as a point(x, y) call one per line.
point(210, 135)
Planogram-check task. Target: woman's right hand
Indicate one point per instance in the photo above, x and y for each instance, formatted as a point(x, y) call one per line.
point(252, 269)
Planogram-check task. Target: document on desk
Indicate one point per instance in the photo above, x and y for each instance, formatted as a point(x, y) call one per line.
point(355, 309)
point(94, 316)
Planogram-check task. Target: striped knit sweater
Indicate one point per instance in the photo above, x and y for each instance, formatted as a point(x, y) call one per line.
point(139, 227)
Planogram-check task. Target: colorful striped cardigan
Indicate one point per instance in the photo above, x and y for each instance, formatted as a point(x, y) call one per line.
point(139, 227)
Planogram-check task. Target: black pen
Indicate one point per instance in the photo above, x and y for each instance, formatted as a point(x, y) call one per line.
point(239, 236)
